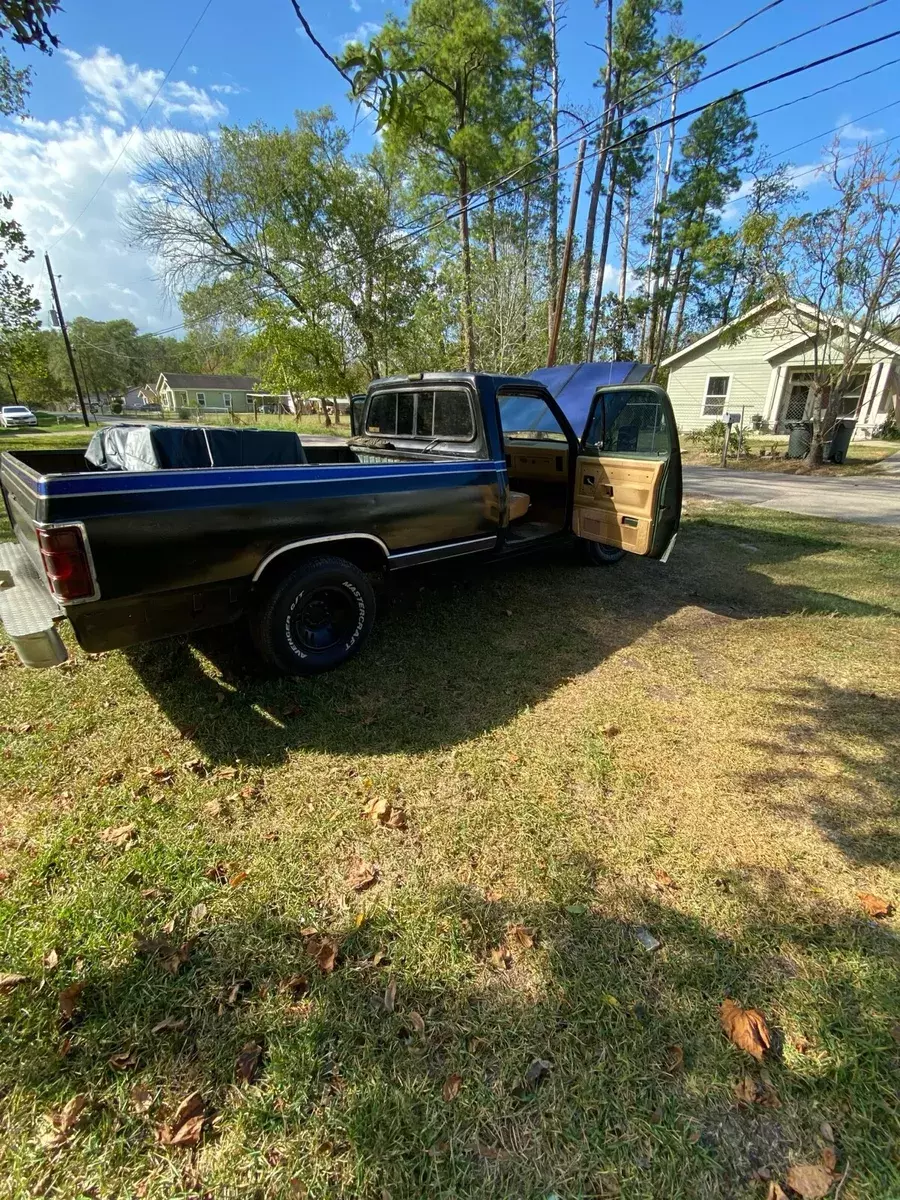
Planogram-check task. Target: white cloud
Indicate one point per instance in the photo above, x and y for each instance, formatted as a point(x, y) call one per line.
point(192, 69)
point(364, 32)
point(849, 131)
point(355, 6)
point(52, 168)
point(227, 89)
point(113, 86)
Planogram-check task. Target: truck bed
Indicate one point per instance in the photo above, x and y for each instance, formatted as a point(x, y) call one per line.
point(175, 550)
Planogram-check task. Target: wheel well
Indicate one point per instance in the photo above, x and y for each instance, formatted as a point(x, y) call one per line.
point(363, 552)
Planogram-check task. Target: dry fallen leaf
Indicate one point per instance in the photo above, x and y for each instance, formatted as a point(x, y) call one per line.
point(382, 812)
point(746, 1027)
point(491, 1153)
point(68, 999)
point(664, 880)
point(776, 1192)
point(123, 1061)
point(361, 874)
point(451, 1087)
point(674, 1061)
point(875, 906)
point(827, 1131)
point(64, 1121)
point(745, 1090)
point(297, 985)
point(51, 960)
point(118, 835)
point(324, 951)
point(390, 996)
point(829, 1158)
point(218, 872)
point(810, 1180)
point(524, 935)
point(611, 731)
point(186, 1125)
point(177, 956)
point(248, 1062)
point(169, 1024)
point(417, 1021)
point(237, 880)
point(141, 1098)
point(9, 982)
point(501, 957)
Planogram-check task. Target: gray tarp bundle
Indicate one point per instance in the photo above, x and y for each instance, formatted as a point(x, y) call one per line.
point(165, 448)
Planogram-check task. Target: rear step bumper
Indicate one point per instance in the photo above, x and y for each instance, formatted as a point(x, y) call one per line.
point(27, 610)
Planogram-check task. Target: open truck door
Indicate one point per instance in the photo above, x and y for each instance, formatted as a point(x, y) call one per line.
point(628, 472)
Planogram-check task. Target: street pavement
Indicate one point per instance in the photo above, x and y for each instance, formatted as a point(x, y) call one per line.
point(868, 498)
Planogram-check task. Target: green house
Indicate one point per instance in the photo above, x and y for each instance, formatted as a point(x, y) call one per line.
point(212, 393)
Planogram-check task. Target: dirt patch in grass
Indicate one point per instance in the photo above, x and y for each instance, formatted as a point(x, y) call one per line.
point(706, 752)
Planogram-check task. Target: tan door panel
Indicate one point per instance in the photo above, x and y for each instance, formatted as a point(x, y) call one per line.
point(615, 501)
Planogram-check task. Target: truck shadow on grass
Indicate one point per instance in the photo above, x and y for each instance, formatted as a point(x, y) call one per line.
point(458, 651)
point(349, 1096)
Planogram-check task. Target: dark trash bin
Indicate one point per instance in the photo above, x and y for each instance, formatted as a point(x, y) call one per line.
point(800, 439)
point(836, 447)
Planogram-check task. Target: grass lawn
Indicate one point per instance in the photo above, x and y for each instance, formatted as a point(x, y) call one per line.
point(707, 752)
point(862, 457)
point(56, 438)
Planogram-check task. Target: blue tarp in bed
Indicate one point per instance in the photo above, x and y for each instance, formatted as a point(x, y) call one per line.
point(181, 447)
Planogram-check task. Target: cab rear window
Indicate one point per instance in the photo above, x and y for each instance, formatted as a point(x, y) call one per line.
point(442, 414)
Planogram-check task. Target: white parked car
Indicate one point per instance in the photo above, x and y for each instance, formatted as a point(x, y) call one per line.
point(16, 414)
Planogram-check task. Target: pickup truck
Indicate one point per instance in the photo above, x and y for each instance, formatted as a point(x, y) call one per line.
point(156, 541)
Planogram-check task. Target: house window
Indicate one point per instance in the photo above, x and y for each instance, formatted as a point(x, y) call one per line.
point(226, 399)
point(717, 387)
point(201, 399)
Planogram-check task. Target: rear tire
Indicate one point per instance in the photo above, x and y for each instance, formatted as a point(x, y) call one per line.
point(314, 619)
point(601, 555)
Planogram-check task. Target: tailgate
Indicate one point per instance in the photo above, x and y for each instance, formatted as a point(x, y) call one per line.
point(18, 483)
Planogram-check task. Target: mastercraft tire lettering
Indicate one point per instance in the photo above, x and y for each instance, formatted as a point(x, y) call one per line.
point(315, 618)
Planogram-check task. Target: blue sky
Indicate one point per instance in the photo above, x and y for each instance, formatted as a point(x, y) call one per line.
point(251, 63)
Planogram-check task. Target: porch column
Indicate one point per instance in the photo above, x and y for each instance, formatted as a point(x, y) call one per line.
point(773, 395)
point(867, 401)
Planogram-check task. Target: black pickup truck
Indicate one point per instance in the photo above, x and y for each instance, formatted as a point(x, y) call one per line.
point(176, 529)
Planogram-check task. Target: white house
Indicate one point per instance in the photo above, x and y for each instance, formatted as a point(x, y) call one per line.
point(761, 365)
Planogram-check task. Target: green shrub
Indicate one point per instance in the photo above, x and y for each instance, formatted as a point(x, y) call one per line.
point(890, 430)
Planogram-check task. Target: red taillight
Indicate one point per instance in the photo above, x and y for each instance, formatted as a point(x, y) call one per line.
point(66, 562)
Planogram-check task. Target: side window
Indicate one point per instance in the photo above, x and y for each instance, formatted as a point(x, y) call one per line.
point(226, 399)
point(629, 422)
point(382, 416)
point(528, 418)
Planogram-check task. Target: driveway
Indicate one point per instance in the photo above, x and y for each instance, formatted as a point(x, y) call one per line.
point(848, 498)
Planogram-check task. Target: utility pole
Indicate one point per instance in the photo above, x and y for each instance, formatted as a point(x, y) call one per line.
point(567, 257)
point(12, 388)
point(65, 333)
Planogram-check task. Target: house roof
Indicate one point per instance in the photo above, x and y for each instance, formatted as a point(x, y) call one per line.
point(767, 306)
point(235, 383)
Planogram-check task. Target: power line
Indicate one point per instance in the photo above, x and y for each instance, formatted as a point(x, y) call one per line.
point(127, 143)
point(571, 138)
point(420, 232)
point(642, 133)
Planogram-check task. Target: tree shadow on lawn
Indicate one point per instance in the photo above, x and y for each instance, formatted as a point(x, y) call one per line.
point(859, 732)
point(461, 650)
point(349, 1098)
